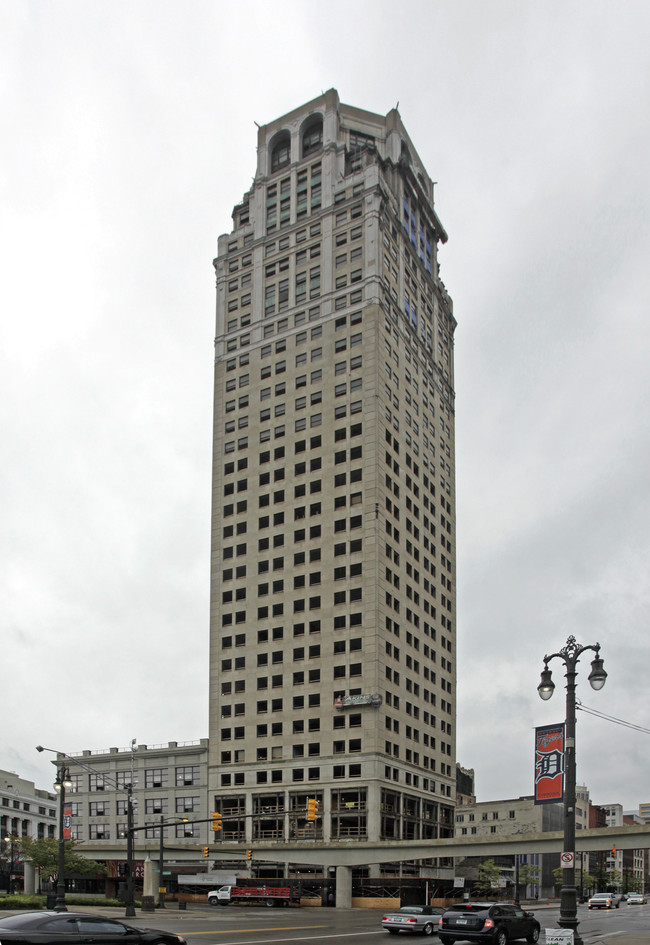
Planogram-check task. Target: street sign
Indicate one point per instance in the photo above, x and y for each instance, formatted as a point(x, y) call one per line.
point(567, 860)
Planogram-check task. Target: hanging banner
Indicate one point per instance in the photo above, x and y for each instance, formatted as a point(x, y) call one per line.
point(549, 764)
point(67, 821)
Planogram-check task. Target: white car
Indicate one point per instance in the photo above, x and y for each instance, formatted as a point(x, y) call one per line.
point(636, 899)
point(605, 900)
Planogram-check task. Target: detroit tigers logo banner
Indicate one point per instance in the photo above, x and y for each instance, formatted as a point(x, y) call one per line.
point(549, 764)
point(67, 821)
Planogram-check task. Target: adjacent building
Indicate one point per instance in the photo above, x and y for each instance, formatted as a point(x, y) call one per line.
point(333, 573)
point(614, 858)
point(518, 817)
point(25, 810)
point(644, 813)
point(168, 784)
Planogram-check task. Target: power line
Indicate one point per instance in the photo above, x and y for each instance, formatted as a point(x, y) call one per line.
point(611, 718)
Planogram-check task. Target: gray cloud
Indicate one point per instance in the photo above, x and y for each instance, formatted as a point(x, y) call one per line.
point(127, 138)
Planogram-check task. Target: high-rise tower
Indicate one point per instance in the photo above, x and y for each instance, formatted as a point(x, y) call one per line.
point(333, 623)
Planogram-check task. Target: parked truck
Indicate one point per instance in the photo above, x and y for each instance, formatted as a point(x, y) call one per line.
point(254, 895)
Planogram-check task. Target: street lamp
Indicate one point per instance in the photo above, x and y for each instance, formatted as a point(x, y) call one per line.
point(62, 782)
point(128, 790)
point(570, 655)
point(10, 841)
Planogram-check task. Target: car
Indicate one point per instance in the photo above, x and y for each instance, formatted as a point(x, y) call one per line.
point(422, 919)
point(497, 922)
point(605, 900)
point(66, 928)
point(636, 899)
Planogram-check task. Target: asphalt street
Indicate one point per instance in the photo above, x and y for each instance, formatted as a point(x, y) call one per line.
point(245, 925)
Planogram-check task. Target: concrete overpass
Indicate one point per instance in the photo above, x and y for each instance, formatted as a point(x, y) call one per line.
point(362, 852)
point(344, 855)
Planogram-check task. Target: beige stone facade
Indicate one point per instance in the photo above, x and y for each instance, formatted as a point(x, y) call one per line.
point(169, 783)
point(333, 574)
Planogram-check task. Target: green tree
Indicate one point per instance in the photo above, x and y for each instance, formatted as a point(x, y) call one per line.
point(588, 881)
point(527, 874)
point(489, 875)
point(44, 854)
point(632, 883)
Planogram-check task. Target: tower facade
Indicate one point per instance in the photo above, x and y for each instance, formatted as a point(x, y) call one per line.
point(333, 570)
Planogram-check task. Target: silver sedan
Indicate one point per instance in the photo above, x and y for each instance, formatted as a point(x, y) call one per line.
point(422, 919)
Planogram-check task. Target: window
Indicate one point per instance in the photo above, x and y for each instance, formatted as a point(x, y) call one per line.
point(188, 774)
point(312, 138)
point(281, 152)
point(156, 777)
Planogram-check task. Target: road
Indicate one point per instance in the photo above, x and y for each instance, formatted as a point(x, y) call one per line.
point(246, 925)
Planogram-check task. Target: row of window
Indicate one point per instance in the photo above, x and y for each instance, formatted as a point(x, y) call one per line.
point(338, 672)
point(412, 432)
point(152, 805)
point(341, 367)
point(315, 354)
point(154, 777)
point(23, 805)
point(19, 827)
point(311, 141)
point(103, 831)
point(277, 775)
point(308, 198)
point(280, 388)
point(277, 633)
point(270, 247)
point(306, 285)
point(485, 815)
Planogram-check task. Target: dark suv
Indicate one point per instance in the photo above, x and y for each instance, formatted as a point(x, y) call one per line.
point(496, 922)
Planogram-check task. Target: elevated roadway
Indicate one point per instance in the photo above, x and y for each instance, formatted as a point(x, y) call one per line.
point(361, 852)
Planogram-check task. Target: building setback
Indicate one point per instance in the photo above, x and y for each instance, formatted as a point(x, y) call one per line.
point(333, 570)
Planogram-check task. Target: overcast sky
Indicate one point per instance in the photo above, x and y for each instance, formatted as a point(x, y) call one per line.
point(126, 136)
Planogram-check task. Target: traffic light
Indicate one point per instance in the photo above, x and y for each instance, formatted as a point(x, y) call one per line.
point(614, 851)
point(206, 851)
point(249, 854)
point(312, 808)
point(216, 821)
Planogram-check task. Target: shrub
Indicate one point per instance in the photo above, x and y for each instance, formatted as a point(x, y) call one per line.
point(22, 901)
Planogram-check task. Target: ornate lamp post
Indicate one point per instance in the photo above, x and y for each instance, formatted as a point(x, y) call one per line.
point(60, 785)
point(62, 782)
point(570, 655)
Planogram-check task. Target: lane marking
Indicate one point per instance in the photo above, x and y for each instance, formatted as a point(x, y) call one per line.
point(298, 938)
point(282, 928)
